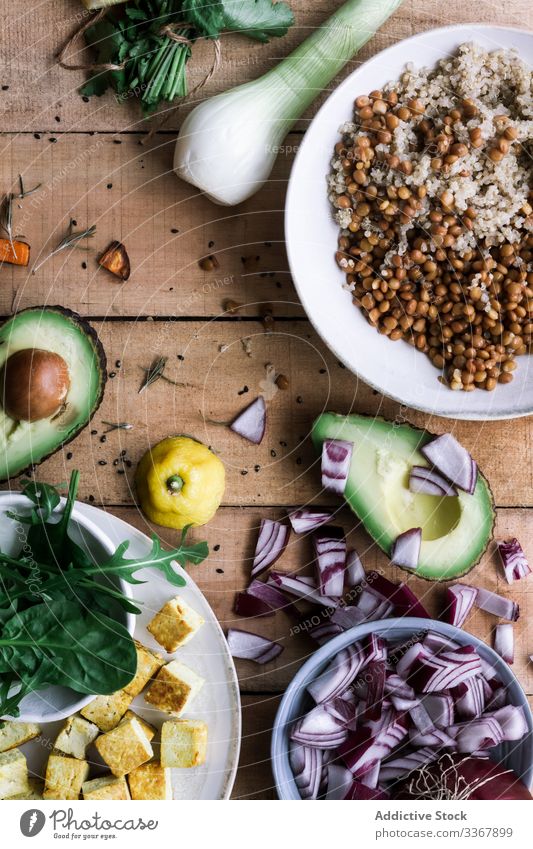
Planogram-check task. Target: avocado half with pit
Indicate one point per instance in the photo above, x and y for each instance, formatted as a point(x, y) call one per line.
point(455, 529)
point(52, 379)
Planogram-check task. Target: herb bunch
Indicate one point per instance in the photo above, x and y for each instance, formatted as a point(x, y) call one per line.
point(153, 62)
point(57, 606)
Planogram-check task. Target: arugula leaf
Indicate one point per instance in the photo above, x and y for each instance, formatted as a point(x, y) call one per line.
point(45, 497)
point(258, 19)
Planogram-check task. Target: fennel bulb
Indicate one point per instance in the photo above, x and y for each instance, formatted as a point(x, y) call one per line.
point(228, 144)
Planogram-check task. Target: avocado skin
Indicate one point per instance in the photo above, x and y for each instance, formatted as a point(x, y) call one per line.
point(424, 437)
point(90, 333)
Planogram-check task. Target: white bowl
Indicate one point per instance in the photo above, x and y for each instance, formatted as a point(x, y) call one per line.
point(393, 368)
point(517, 756)
point(57, 702)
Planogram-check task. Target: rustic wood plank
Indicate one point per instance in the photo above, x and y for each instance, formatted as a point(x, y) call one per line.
point(31, 38)
point(220, 379)
point(232, 534)
point(131, 194)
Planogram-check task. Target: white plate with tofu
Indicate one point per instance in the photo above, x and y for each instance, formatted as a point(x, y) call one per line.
point(173, 733)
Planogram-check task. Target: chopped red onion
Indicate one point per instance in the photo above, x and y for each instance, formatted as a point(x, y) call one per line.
point(426, 481)
point(515, 564)
point(437, 738)
point(300, 586)
point(512, 722)
point(395, 685)
point(355, 573)
point(306, 519)
point(440, 707)
point(469, 698)
point(359, 792)
point(477, 734)
point(330, 557)
point(399, 766)
point(406, 549)
point(374, 648)
point(375, 675)
point(436, 643)
point(249, 605)
point(445, 670)
point(459, 602)
point(320, 729)
point(324, 632)
point(306, 764)
point(370, 779)
point(504, 642)
point(251, 422)
point(272, 596)
point(400, 596)
point(271, 543)
point(452, 460)
point(497, 605)
point(362, 750)
point(414, 654)
point(339, 781)
point(347, 617)
point(248, 646)
point(336, 460)
point(338, 674)
point(421, 718)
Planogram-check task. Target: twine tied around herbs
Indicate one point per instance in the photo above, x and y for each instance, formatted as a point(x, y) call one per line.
point(168, 30)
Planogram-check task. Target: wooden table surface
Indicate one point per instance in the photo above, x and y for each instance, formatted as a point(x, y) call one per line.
point(94, 167)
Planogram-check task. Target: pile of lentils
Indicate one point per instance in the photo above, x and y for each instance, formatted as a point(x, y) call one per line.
point(435, 209)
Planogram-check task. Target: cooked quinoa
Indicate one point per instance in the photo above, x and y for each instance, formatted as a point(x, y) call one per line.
point(431, 187)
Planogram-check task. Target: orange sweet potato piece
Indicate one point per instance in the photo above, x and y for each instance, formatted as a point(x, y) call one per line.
point(15, 253)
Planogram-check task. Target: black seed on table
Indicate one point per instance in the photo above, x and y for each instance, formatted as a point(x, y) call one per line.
point(278, 284)
point(273, 453)
point(5, 87)
point(94, 432)
point(243, 391)
point(115, 462)
point(36, 136)
point(112, 374)
point(52, 140)
point(129, 464)
point(84, 265)
point(102, 462)
point(298, 461)
point(171, 289)
point(174, 230)
point(118, 364)
point(181, 357)
point(211, 244)
point(299, 399)
point(117, 141)
point(123, 452)
point(110, 185)
point(103, 438)
point(69, 455)
point(257, 468)
point(322, 371)
point(244, 472)
point(282, 443)
point(216, 547)
point(220, 571)
point(57, 118)
point(91, 497)
point(73, 222)
point(341, 365)
point(121, 472)
point(85, 98)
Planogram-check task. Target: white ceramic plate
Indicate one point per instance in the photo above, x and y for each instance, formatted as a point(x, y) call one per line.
point(218, 703)
point(395, 369)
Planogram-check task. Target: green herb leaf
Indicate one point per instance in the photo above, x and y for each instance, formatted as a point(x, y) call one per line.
point(258, 19)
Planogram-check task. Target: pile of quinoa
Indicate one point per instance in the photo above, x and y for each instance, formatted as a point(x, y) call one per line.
point(431, 185)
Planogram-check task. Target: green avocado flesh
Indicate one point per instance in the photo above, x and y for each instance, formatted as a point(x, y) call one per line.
point(63, 332)
point(455, 530)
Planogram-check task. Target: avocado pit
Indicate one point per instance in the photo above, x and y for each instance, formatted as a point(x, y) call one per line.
point(34, 384)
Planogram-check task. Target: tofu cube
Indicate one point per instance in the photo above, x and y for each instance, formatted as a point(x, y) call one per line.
point(64, 776)
point(76, 734)
point(150, 781)
point(106, 787)
point(107, 711)
point(13, 774)
point(34, 791)
point(175, 624)
point(174, 688)
point(148, 729)
point(125, 747)
point(183, 743)
point(13, 734)
point(148, 662)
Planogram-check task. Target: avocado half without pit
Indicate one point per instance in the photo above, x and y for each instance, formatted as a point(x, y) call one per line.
point(52, 379)
point(455, 529)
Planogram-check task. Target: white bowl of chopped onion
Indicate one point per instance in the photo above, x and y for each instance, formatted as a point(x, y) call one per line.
point(334, 740)
point(396, 369)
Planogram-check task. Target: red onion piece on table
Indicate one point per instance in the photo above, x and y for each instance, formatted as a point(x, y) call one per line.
point(504, 642)
point(496, 604)
point(302, 587)
point(272, 596)
point(515, 564)
point(400, 595)
point(452, 460)
point(336, 459)
point(324, 632)
point(406, 549)
point(271, 543)
point(459, 602)
point(426, 481)
point(330, 557)
point(251, 422)
point(250, 605)
point(355, 573)
point(308, 519)
point(248, 646)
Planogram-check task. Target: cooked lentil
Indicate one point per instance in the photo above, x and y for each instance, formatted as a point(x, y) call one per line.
point(431, 188)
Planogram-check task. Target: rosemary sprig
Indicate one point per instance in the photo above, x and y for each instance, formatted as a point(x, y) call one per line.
point(155, 372)
point(117, 426)
point(23, 193)
point(69, 241)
